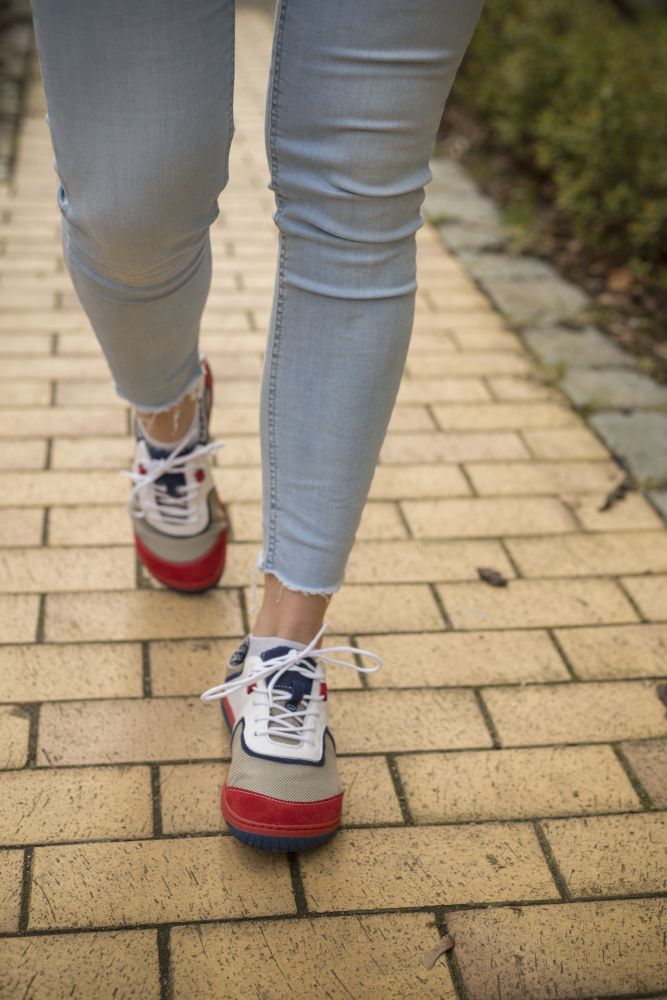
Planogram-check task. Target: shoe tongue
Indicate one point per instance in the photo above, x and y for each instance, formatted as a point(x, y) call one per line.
point(292, 681)
point(170, 480)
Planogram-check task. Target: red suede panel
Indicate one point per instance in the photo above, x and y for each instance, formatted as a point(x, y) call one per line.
point(195, 575)
point(276, 815)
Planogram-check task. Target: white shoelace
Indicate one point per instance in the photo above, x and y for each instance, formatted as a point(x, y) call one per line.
point(174, 509)
point(292, 725)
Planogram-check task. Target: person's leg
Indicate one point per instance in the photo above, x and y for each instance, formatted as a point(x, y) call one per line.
point(355, 100)
point(139, 99)
point(356, 95)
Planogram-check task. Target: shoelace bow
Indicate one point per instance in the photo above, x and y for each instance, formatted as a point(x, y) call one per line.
point(172, 508)
point(294, 725)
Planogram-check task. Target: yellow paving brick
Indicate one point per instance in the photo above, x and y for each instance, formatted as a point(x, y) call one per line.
point(25, 346)
point(442, 390)
point(88, 394)
point(11, 871)
point(423, 561)
point(577, 950)
point(378, 520)
point(238, 484)
point(21, 527)
point(54, 368)
point(23, 454)
point(241, 450)
point(432, 341)
point(46, 488)
point(438, 446)
point(535, 603)
point(633, 513)
point(92, 453)
point(190, 795)
point(397, 482)
point(515, 784)
point(106, 966)
point(383, 721)
point(576, 713)
point(453, 658)
point(90, 526)
point(190, 667)
point(519, 388)
point(480, 516)
point(94, 885)
point(46, 806)
point(611, 855)
point(516, 478)
point(410, 418)
point(53, 569)
point(503, 416)
point(648, 759)
point(18, 617)
point(46, 672)
point(381, 607)
point(650, 595)
point(575, 442)
point(591, 555)
point(24, 393)
point(616, 651)
point(140, 615)
point(14, 733)
point(414, 866)
point(485, 340)
point(364, 956)
point(126, 731)
point(479, 363)
point(56, 421)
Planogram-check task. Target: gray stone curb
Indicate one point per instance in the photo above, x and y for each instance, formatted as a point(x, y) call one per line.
point(625, 408)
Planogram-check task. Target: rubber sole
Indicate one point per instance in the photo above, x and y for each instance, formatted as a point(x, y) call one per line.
point(278, 844)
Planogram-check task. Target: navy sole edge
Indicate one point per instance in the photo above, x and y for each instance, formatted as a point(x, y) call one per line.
point(281, 844)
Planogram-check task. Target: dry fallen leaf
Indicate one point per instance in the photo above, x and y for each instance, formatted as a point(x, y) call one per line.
point(431, 956)
point(492, 576)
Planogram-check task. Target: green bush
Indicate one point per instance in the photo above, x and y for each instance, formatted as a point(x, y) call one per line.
point(581, 94)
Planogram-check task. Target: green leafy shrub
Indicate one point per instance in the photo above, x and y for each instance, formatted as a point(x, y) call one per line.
point(581, 94)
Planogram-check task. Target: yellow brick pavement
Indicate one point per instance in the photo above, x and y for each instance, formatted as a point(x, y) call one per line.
point(506, 771)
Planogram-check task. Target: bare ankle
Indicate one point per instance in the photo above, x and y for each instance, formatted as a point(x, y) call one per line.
point(289, 613)
point(170, 425)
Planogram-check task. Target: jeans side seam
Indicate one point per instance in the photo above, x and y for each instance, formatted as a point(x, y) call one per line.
point(270, 542)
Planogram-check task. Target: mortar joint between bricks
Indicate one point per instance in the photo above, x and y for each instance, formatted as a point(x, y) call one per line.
point(441, 607)
point(26, 890)
point(358, 659)
point(156, 800)
point(399, 789)
point(488, 720)
point(644, 797)
point(552, 864)
point(629, 598)
point(551, 632)
point(298, 888)
point(450, 955)
point(146, 678)
point(164, 961)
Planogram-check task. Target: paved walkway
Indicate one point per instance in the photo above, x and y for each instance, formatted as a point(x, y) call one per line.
point(524, 817)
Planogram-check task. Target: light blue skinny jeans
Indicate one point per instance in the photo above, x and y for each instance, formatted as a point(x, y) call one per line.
point(139, 97)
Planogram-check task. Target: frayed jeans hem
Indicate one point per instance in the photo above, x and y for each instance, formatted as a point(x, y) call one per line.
point(159, 407)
